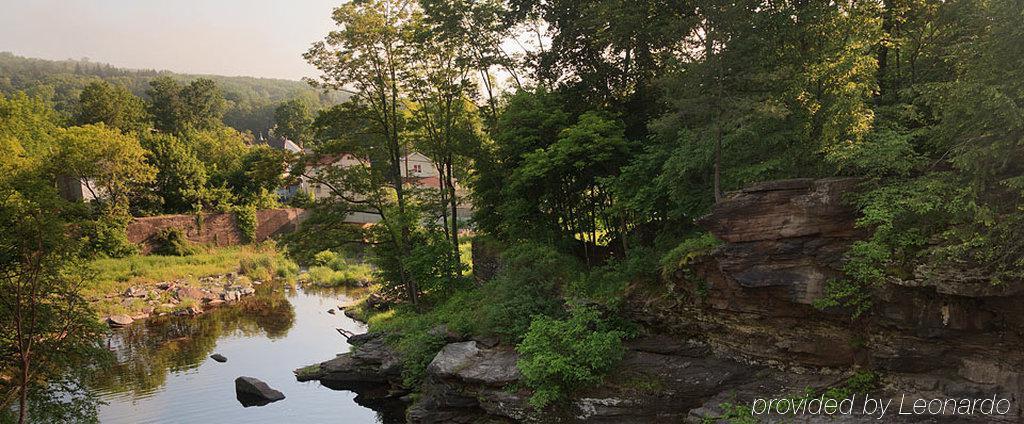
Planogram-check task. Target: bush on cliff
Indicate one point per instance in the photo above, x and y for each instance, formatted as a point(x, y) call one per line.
point(529, 286)
point(562, 355)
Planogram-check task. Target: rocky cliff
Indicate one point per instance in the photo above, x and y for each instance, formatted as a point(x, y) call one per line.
point(783, 240)
point(741, 325)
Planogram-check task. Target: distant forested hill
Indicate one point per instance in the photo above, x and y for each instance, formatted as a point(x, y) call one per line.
point(251, 100)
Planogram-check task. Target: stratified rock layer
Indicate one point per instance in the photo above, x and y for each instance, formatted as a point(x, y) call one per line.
point(784, 241)
point(741, 325)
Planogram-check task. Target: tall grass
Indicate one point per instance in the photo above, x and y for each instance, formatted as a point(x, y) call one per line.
point(333, 270)
point(258, 262)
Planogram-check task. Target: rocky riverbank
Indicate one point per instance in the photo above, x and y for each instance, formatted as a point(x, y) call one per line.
point(740, 325)
point(179, 297)
point(661, 378)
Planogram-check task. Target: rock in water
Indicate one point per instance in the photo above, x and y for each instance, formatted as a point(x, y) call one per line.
point(252, 392)
point(117, 321)
point(218, 357)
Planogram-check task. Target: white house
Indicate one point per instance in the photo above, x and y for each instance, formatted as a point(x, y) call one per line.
point(416, 169)
point(78, 189)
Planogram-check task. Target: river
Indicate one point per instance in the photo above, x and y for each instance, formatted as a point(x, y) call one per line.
point(163, 372)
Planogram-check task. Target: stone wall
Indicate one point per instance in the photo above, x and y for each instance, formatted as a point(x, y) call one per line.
point(219, 229)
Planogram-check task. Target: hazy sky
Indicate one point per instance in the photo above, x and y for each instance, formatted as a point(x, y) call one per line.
point(262, 38)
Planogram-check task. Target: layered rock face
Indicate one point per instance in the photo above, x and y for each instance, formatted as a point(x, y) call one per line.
point(784, 240)
point(741, 325)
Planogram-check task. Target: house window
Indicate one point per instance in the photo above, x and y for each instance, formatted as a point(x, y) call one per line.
point(416, 169)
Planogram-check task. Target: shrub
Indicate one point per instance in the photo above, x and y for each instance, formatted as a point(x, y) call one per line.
point(558, 356)
point(107, 236)
point(172, 242)
point(411, 332)
point(606, 284)
point(324, 258)
point(245, 217)
point(302, 199)
point(333, 270)
point(257, 267)
point(686, 252)
point(530, 284)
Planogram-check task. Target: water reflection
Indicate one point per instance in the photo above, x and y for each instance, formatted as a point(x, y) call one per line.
point(147, 352)
point(163, 373)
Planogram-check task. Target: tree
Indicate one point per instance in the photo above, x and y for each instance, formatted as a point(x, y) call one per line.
point(113, 105)
point(292, 120)
point(258, 177)
point(181, 178)
point(529, 122)
point(609, 53)
point(47, 330)
point(221, 150)
point(166, 105)
point(204, 104)
point(366, 56)
point(176, 108)
point(565, 183)
point(448, 127)
point(111, 165)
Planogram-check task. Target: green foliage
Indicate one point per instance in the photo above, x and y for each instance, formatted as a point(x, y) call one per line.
point(684, 254)
point(181, 178)
point(560, 356)
point(293, 120)
point(47, 328)
point(732, 413)
point(251, 101)
point(176, 108)
point(860, 383)
point(245, 219)
point(108, 163)
point(172, 241)
point(530, 284)
point(304, 199)
point(113, 105)
point(107, 236)
point(333, 270)
point(607, 284)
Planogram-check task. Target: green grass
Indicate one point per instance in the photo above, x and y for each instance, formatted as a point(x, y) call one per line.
point(113, 276)
point(354, 275)
point(333, 270)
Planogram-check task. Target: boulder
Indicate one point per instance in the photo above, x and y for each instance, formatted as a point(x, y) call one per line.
point(252, 392)
point(218, 357)
point(136, 292)
point(331, 311)
point(449, 336)
point(469, 364)
point(117, 321)
point(193, 293)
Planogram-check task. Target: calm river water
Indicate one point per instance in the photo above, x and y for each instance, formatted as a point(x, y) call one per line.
point(164, 374)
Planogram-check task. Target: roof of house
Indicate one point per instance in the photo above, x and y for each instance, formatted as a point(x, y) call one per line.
point(279, 142)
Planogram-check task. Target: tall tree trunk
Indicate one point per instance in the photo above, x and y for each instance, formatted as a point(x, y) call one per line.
point(23, 396)
point(453, 198)
point(718, 161)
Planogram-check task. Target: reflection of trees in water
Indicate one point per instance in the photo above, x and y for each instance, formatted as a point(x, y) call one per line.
point(146, 352)
point(349, 292)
